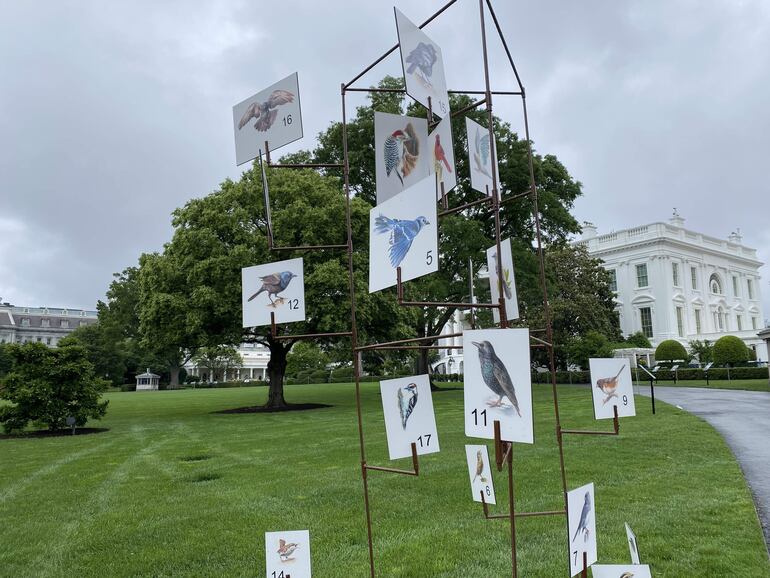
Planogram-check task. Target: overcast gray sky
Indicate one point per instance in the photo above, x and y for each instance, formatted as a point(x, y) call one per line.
point(114, 113)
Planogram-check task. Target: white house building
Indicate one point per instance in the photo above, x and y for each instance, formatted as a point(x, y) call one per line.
point(45, 325)
point(253, 367)
point(673, 283)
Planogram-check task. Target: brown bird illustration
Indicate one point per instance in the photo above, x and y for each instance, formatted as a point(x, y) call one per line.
point(609, 385)
point(266, 112)
point(627, 575)
point(479, 467)
point(286, 549)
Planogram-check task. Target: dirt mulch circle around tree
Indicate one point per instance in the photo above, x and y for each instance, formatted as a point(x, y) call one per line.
point(263, 409)
point(45, 433)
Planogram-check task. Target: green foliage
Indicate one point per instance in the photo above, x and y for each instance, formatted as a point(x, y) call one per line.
point(48, 385)
point(729, 350)
point(593, 344)
point(305, 356)
point(671, 350)
point(638, 339)
point(105, 354)
point(6, 363)
point(218, 359)
point(704, 350)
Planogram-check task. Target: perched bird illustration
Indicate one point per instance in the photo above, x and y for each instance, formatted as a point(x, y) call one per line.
point(481, 153)
point(506, 277)
point(627, 575)
point(265, 112)
point(583, 523)
point(422, 58)
point(609, 386)
point(495, 375)
point(439, 159)
point(479, 468)
point(401, 150)
point(274, 284)
point(402, 233)
point(407, 400)
point(286, 549)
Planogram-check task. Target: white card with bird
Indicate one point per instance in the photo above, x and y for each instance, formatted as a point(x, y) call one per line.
point(407, 405)
point(480, 472)
point(442, 162)
point(288, 554)
point(498, 384)
point(633, 547)
point(581, 515)
point(480, 156)
point(403, 232)
point(401, 152)
point(278, 288)
point(423, 66)
point(621, 571)
point(509, 280)
point(271, 115)
point(611, 386)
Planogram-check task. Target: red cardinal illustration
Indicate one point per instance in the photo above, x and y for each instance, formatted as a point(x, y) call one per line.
point(439, 156)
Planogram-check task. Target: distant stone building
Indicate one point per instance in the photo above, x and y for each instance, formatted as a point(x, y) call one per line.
point(45, 325)
point(254, 367)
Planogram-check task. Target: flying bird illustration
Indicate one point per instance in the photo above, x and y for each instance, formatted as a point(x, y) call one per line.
point(479, 468)
point(423, 58)
point(286, 549)
point(506, 278)
point(274, 284)
point(402, 233)
point(401, 151)
point(481, 153)
point(407, 400)
point(583, 523)
point(265, 112)
point(439, 157)
point(609, 386)
point(495, 375)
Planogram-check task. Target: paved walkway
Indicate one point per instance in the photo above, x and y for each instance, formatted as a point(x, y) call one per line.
point(743, 419)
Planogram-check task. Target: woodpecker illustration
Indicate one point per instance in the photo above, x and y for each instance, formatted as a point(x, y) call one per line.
point(401, 151)
point(265, 112)
point(439, 157)
point(407, 400)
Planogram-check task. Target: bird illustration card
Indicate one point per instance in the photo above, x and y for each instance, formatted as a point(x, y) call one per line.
point(408, 408)
point(498, 384)
point(272, 115)
point(620, 571)
point(442, 157)
point(266, 198)
point(633, 547)
point(423, 66)
point(581, 514)
point(278, 288)
point(480, 157)
point(403, 232)
point(480, 472)
point(611, 386)
point(288, 554)
point(509, 280)
point(401, 153)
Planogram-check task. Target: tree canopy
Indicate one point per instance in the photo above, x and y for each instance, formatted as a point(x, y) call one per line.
point(729, 350)
point(671, 350)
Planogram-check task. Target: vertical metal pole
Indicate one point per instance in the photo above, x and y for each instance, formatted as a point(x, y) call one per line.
point(652, 394)
point(354, 332)
point(471, 292)
point(512, 512)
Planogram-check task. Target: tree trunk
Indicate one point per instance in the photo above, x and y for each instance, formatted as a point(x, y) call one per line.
point(174, 376)
point(276, 368)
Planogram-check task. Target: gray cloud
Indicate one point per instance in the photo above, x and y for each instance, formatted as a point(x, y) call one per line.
point(113, 114)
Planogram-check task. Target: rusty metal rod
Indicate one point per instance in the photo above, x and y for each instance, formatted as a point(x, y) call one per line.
point(471, 106)
point(410, 340)
point(401, 301)
point(615, 423)
point(505, 46)
point(419, 347)
point(308, 247)
point(459, 208)
point(489, 516)
point(306, 166)
point(415, 471)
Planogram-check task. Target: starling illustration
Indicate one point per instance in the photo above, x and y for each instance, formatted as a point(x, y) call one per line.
point(402, 233)
point(583, 523)
point(401, 150)
point(265, 112)
point(609, 386)
point(274, 284)
point(479, 468)
point(407, 399)
point(627, 575)
point(495, 375)
point(506, 278)
point(423, 58)
point(285, 550)
point(439, 157)
point(481, 153)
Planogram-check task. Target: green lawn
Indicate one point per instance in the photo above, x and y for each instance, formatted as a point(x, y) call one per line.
point(173, 489)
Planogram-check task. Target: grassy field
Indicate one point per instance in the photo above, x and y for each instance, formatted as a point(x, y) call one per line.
point(747, 384)
point(173, 489)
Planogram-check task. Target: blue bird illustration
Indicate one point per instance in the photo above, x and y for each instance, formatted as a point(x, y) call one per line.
point(422, 57)
point(495, 375)
point(402, 233)
point(583, 523)
point(407, 400)
point(481, 154)
point(274, 284)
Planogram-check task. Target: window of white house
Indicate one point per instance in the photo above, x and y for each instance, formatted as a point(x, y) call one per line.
point(613, 280)
point(715, 285)
point(641, 275)
point(645, 314)
point(680, 321)
point(739, 321)
point(45, 323)
point(750, 287)
point(735, 286)
point(48, 341)
point(65, 324)
point(25, 322)
point(39, 339)
point(675, 273)
point(720, 319)
point(697, 321)
point(694, 277)
point(753, 322)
